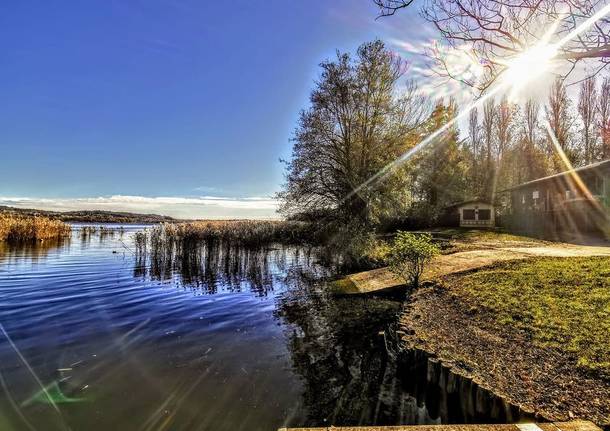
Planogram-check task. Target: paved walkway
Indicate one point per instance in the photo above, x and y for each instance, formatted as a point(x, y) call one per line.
point(551, 426)
point(382, 279)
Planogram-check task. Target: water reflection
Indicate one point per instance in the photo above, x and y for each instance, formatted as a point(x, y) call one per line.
point(31, 252)
point(343, 348)
point(225, 338)
point(215, 265)
point(337, 349)
point(354, 373)
point(450, 398)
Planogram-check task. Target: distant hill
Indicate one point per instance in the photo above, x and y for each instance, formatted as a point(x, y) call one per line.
point(91, 216)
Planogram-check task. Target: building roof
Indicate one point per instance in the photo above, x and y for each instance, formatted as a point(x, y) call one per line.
point(470, 201)
point(580, 170)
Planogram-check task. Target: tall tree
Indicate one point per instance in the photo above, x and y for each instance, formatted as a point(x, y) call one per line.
point(603, 118)
point(474, 140)
point(587, 108)
point(439, 171)
point(505, 116)
point(560, 121)
point(534, 159)
point(488, 126)
point(356, 125)
point(506, 113)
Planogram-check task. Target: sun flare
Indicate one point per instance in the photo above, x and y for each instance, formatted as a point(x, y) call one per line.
point(528, 66)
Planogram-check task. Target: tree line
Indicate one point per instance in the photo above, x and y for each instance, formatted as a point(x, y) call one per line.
point(513, 143)
point(365, 114)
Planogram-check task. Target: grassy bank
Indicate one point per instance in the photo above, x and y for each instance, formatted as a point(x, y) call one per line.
point(18, 229)
point(533, 331)
point(562, 303)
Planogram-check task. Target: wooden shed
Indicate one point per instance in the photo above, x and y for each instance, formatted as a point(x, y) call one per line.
point(476, 213)
point(575, 201)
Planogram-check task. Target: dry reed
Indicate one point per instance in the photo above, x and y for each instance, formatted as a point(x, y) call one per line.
point(18, 229)
point(247, 233)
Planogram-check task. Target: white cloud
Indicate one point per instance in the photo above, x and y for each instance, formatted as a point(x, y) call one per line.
point(212, 207)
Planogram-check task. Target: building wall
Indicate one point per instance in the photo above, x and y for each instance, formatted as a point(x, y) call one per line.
point(469, 215)
point(560, 204)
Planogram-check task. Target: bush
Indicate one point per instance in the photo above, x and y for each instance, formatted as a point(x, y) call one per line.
point(410, 253)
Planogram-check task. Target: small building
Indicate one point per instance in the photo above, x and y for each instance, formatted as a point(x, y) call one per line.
point(476, 213)
point(575, 201)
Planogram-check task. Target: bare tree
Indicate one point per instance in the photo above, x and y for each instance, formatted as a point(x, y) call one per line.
point(587, 108)
point(474, 136)
point(488, 126)
point(500, 30)
point(531, 127)
point(603, 118)
point(355, 126)
point(505, 127)
point(560, 119)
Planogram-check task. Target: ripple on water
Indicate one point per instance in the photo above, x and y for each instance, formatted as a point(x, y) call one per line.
point(258, 347)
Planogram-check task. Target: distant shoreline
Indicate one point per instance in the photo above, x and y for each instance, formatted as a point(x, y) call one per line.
point(92, 216)
point(100, 216)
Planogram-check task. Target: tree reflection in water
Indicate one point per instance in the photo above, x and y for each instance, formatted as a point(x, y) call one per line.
point(341, 347)
point(337, 349)
point(345, 350)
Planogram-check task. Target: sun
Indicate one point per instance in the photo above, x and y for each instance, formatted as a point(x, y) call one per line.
point(528, 66)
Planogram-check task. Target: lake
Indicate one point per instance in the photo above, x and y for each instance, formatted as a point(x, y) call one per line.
point(92, 338)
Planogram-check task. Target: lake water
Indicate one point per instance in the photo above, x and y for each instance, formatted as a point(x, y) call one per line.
point(92, 339)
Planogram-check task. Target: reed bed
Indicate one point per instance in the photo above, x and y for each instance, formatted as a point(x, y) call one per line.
point(169, 246)
point(86, 231)
point(245, 233)
point(22, 229)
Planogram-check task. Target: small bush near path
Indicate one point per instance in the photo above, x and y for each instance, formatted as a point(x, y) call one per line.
point(17, 229)
point(409, 255)
point(562, 303)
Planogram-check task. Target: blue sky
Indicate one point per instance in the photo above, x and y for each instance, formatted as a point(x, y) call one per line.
point(152, 105)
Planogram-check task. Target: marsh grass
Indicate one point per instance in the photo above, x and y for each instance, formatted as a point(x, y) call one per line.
point(87, 231)
point(187, 244)
point(206, 252)
point(23, 229)
point(244, 233)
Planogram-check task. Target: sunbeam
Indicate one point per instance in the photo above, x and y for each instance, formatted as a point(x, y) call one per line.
point(580, 184)
point(530, 64)
point(44, 392)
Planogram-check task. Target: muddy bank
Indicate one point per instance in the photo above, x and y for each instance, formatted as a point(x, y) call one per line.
point(501, 360)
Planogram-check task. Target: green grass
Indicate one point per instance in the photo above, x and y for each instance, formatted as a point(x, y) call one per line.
point(562, 303)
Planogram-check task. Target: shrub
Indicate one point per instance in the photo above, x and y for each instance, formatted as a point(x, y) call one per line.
point(410, 253)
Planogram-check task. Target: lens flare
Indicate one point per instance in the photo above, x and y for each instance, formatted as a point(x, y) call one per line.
point(580, 184)
point(521, 70)
point(528, 66)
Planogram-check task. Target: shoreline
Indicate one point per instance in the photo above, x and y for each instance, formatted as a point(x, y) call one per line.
point(542, 381)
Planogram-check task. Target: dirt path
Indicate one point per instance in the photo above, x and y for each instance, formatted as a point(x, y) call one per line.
point(381, 279)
